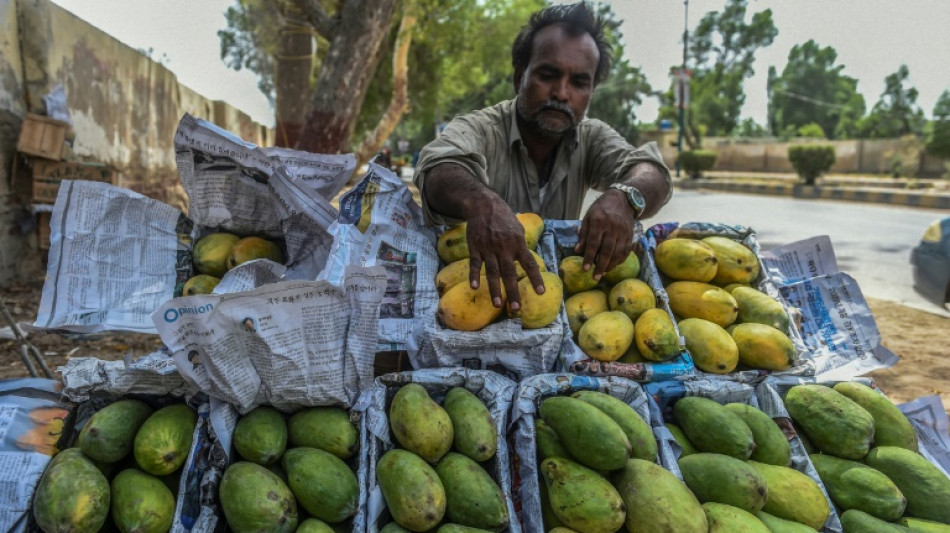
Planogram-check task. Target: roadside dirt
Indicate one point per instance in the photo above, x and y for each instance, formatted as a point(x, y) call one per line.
point(921, 339)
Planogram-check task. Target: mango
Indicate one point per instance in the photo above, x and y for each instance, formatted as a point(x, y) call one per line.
point(771, 444)
point(724, 518)
point(246, 511)
point(630, 268)
point(323, 484)
point(163, 442)
point(200, 284)
point(466, 309)
point(575, 278)
point(854, 485)
point(141, 503)
point(692, 299)
point(762, 346)
point(923, 526)
point(632, 297)
point(452, 245)
point(686, 259)
point(539, 310)
point(72, 495)
point(533, 228)
point(760, 308)
point(456, 528)
point(110, 432)
point(713, 428)
point(586, 432)
point(413, 491)
point(714, 477)
point(393, 527)
point(780, 525)
point(583, 306)
point(656, 336)
point(891, 427)
point(210, 254)
point(633, 355)
point(261, 436)
point(313, 525)
point(711, 346)
point(686, 446)
point(737, 264)
point(473, 498)
point(472, 423)
point(548, 519)
point(606, 336)
point(326, 428)
point(251, 248)
point(547, 442)
point(458, 271)
point(794, 496)
point(582, 499)
point(657, 501)
point(855, 521)
point(729, 287)
point(419, 424)
point(638, 431)
point(926, 488)
point(832, 421)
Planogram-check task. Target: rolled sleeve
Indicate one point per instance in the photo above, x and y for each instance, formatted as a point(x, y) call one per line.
point(648, 153)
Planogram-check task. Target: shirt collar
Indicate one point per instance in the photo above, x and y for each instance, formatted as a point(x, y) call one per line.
point(514, 134)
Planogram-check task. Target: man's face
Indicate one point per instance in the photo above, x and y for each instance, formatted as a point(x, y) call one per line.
point(555, 89)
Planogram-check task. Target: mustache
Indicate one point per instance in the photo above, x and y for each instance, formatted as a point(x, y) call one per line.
point(553, 105)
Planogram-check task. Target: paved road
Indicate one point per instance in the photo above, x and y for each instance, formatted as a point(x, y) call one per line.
point(871, 242)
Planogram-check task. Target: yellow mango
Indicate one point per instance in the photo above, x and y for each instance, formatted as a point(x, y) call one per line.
point(656, 336)
point(539, 310)
point(453, 244)
point(692, 299)
point(606, 336)
point(457, 272)
point(686, 259)
point(737, 264)
point(210, 254)
point(762, 346)
point(583, 306)
point(250, 248)
point(533, 228)
point(711, 346)
point(200, 284)
point(466, 309)
point(632, 297)
point(576, 279)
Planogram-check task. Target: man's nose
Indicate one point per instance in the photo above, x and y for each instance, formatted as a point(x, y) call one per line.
point(560, 90)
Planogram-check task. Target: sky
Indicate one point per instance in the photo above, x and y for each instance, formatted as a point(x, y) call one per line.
point(872, 38)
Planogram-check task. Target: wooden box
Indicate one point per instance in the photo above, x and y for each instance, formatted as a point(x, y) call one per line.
point(42, 137)
point(47, 175)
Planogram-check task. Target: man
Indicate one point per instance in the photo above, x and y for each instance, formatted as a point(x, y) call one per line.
point(538, 153)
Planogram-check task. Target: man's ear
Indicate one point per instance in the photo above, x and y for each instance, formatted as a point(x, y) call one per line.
point(519, 73)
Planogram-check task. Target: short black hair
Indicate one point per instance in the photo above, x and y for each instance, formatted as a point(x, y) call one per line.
point(577, 19)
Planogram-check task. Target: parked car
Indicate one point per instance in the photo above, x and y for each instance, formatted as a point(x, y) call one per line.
point(931, 262)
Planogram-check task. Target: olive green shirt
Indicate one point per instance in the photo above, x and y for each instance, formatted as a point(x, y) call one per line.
point(488, 144)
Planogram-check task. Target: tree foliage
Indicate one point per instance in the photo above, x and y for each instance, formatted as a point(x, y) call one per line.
point(938, 142)
point(896, 113)
point(812, 89)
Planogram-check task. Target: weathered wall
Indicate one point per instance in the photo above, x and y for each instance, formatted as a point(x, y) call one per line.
point(123, 106)
point(12, 108)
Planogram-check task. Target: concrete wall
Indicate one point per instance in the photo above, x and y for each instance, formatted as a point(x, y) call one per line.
point(123, 106)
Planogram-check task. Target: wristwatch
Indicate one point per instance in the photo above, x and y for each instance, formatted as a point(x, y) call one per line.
point(634, 198)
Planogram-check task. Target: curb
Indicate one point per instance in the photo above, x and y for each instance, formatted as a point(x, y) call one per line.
point(817, 192)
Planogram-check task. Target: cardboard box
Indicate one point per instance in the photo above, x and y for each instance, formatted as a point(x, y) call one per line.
point(47, 175)
point(42, 230)
point(42, 137)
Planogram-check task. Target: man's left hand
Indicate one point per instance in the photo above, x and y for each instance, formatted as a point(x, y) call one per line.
point(606, 236)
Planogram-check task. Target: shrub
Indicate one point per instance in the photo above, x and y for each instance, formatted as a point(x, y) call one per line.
point(811, 160)
point(811, 130)
point(695, 162)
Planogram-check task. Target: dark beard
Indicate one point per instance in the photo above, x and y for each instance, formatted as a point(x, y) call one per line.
point(535, 124)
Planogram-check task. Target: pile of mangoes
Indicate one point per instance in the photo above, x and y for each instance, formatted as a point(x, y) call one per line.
point(285, 464)
point(216, 253)
point(722, 317)
point(466, 309)
point(458, 437)
point(866, 453)
point(127, 462)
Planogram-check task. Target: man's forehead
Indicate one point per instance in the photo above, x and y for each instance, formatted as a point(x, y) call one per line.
point(552, 41)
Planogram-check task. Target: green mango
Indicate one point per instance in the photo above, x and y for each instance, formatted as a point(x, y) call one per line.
point(713, 428)
point(586, 432)
point(108, 436)
point(455, 528)
point(855, 521)
point(473, 498)
point(771, 445)
point(630, 268)
point(833, 422)
point(72, 495)
point(638, 431)
point(891, 427)
point(681, 439)
point(926, 488)
point(760, 308)
point(780, 525)
point(261, 436)
point(323, 484)
point(794, 496)
point(419, 424)
point(246, 511)
point(657, 501)
point(548, 443)
point(163, 442)
point(313, 525)
point(548, 518)
point(581, 498)
point(325, 428)
point(393, 527)
point(714, 477)
point(854, 485)
point(413, 491)
point(919, 525)
point(141, 503)
point(474, 427)
point(724, 518)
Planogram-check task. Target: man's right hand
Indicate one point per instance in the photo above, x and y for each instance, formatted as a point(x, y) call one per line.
point(496, 239)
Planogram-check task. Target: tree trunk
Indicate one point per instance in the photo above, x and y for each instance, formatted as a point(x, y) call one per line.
point(360, 27)
point(294, 64)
